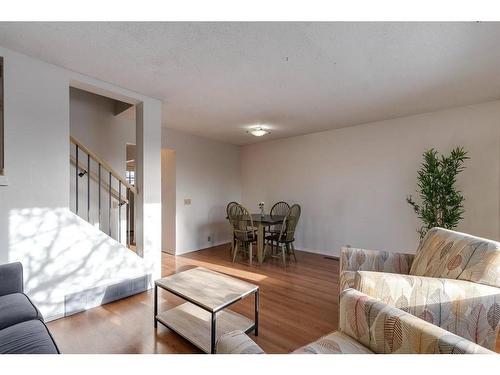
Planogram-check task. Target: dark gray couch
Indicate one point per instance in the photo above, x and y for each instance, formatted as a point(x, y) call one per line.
point(22, 329)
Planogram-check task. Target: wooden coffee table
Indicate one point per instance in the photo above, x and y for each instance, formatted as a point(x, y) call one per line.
point(203, 319)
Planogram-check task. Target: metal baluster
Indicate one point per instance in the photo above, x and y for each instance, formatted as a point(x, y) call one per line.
point(109, 210)
point(128, 217)
point(99, 192)
point(119, 211)
point(76, 179)
point(88, 188)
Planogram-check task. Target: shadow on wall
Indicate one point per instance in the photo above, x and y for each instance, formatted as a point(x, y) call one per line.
point(63, 254)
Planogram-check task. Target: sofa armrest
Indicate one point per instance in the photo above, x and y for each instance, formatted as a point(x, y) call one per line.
point(353, 259)
point(11, 278)
point(464, 308)
point(237, 342)
point(387, 329)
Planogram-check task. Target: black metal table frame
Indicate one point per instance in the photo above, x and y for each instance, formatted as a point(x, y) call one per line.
point(254, 327)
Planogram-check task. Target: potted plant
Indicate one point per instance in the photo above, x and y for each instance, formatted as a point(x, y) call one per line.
point(441, 203)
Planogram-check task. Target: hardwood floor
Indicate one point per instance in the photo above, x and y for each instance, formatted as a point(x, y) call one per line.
point(298, 305)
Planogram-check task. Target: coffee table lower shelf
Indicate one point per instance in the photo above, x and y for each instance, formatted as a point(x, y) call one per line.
point(194, 323)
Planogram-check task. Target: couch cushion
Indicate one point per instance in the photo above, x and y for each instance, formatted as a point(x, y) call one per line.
point(16, 308)
point(30, 337)
point(334, 343)
point(454, 255)
point(237, 342)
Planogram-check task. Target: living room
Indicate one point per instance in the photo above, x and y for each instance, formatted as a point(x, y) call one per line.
point(249, 188)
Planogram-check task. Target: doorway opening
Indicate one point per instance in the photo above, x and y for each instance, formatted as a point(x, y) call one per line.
point(100, 127)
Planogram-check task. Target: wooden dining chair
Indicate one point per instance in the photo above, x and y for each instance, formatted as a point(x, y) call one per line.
point(286, 237)
point(243, 229)
point(229, 205)
point(228, 208)
point(278, 209)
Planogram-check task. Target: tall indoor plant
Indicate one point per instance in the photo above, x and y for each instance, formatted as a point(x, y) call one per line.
point(441, 203)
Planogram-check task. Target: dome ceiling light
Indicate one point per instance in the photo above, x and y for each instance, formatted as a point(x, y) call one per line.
point(258, 131)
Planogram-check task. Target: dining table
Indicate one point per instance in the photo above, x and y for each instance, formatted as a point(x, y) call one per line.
point(263, 221)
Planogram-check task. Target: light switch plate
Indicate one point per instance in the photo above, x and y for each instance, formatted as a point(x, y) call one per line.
point(187, 201)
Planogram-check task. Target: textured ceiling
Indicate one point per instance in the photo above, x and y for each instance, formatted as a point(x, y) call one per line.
point(216, 79)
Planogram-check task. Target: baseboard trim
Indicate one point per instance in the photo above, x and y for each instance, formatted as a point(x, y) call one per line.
point(320, 252)
point(331, 257)
point(215, 244)
point(89, 298)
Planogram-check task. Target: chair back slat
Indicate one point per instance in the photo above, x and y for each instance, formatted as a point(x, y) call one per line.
point(228, 207)
point(280, 209)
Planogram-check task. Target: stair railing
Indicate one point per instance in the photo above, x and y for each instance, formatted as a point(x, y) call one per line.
point(104, 179)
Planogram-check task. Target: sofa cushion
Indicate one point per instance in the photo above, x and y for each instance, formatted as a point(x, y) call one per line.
point(237, 342)
point(454, 255)
point(16, 308)
point(334, 343)
point(31, 337)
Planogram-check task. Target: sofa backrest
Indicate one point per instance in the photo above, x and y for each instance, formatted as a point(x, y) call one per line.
point(454, 255)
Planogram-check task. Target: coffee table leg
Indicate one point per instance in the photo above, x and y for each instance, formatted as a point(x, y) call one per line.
point(212, 336)
point(156, 306)
point(257, 302)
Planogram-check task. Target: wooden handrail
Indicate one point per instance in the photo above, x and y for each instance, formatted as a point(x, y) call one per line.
point(104, 184)
point(104, 165)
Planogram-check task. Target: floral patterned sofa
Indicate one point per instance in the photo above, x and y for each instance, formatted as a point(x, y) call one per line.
point(453, 281)
point(368, 326)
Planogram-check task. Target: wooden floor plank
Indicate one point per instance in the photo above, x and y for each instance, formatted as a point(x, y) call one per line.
point(297, 305)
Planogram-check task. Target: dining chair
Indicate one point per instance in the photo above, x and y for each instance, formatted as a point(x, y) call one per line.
point(286, 237)
point(243, 229)
point(229, 205)
point(278, 209)
point(228, 208)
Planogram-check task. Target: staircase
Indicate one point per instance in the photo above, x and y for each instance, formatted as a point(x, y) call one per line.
point(100, 195)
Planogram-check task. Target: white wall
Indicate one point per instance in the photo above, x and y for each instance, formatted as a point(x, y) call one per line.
point(61, 253)
point(208, 173)
point(352, 182)
point(148, 182)
point(1, 118)
point(93, 122)
point(168, 194)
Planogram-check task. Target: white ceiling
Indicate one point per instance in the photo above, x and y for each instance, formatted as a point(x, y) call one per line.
point(216, 79)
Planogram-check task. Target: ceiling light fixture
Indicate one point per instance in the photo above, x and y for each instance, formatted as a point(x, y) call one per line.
point(258, 131)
